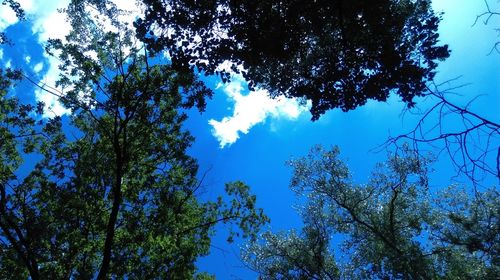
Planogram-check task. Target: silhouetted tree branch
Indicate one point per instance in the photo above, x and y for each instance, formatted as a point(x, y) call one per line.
point(471, 141)
point(486, 17)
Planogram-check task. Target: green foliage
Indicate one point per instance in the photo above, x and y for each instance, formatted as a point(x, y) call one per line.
point(113, 193)
point(243, 207)
point(391, 227)
point(16, 135)
point(292, 256)
point(16, 7)
point(336, 53)
point(473, 224)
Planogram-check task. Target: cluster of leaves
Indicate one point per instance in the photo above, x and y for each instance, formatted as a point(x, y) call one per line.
point(392, 227)
point(337, 54)
point(112, 192)
point(14, 5)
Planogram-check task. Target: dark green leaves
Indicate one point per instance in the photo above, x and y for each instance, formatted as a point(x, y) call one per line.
point(16, 7)
point(338, 54)
point(110, 191)
point(243, 210)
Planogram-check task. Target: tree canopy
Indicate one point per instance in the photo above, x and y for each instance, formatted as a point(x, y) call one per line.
point(14, 5)
point(337, 54)
point(392, 227)
point(111, 191)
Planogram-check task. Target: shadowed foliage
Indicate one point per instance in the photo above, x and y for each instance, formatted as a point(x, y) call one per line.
point(109, 191)
point(337, 54)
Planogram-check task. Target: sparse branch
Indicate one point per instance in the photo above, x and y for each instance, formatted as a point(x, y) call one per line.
point(473, 146)
point(18, 241)
point(486, 17)
point(208, 224)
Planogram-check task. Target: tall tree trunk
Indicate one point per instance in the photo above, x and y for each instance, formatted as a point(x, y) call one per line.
point(117, 200)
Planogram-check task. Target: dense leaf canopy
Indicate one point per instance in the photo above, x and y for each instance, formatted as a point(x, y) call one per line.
point(392, 227)
point(110, 191)
point(337, 54)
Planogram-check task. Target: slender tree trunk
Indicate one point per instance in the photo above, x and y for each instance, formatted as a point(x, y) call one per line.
point(117, 200)
point(110, 230)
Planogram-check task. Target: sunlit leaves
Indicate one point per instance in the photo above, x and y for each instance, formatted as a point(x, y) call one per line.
point(391, 227)
point(111, 190)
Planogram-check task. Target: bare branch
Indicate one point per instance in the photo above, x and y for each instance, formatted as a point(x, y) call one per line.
point(486, 17)
point(473, 146)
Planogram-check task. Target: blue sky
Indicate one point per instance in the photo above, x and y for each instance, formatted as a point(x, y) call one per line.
point(246, 136)
point(258, 157)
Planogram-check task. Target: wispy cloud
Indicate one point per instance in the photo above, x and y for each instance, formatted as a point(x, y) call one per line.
point(48, 22)
point(7, 17)
point(251, 109)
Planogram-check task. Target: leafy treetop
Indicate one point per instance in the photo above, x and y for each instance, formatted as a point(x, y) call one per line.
point(389, 228)
point(16, 7)
point(113, 192)
point(335, 53)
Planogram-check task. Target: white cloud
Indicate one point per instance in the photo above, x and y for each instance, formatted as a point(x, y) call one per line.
point(250, 110)
point(7, 17)
point(27, 5)
point(38, 67)
point(131, 8)
point(51, 24)
point(52, 105)
point(48, 22)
